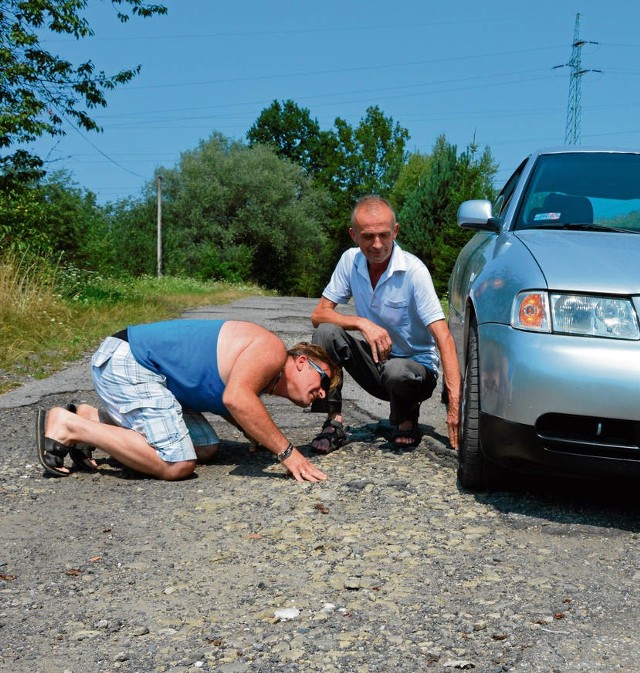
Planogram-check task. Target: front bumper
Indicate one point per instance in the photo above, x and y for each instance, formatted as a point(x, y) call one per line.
point(557, 403)
point(524, 375)
point(522, 448)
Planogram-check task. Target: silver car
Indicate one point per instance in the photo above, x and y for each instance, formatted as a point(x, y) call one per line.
point(544, 305)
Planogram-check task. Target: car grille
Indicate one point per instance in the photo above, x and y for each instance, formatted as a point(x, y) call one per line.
point(590, 436)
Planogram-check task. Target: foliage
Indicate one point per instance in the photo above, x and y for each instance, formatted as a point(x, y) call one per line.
point(54, 217)
point(293, 134)
point(80, 286)
point(231, 212)
point(411, 176)
point(372, 154)
point(74, 224)
point(347, 162)
point(41, 91)
point(133, 236)
point(428, 214)
point(21, 211)
point(365, 159)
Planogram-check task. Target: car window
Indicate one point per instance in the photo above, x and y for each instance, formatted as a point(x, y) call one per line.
point(504, 198)
point(589, 190)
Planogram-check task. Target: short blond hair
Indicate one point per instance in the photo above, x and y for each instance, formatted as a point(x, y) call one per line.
point(317, 353)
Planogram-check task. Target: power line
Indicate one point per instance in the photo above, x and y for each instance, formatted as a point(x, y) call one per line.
point(574, 109)
point(97, 149)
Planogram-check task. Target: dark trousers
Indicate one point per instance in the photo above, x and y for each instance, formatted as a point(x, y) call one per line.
point(403, 382)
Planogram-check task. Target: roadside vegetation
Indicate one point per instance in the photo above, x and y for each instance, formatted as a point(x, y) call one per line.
point(50, 316)
point(268, 211)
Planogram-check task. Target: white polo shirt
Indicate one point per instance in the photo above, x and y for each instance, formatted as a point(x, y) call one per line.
point(404, 301)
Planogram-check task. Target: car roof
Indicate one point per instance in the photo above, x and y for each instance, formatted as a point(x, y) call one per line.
point(572, 149)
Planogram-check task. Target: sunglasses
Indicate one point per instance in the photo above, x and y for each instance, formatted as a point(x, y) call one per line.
point(325, 381)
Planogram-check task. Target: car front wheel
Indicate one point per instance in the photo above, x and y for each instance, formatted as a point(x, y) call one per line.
point(474, 471)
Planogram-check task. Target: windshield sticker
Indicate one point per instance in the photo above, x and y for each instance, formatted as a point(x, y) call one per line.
point(546, 216)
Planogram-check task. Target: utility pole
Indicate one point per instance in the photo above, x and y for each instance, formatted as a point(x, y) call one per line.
point(574, 110)
point(159, 196)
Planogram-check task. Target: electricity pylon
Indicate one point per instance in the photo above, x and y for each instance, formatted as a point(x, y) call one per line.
point(574, 110)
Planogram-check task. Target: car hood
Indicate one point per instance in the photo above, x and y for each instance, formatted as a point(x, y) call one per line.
point(585, 261)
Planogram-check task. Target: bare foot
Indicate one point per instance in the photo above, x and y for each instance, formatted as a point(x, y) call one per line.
point(88, 412)
point(56, 427)
point(51, 451)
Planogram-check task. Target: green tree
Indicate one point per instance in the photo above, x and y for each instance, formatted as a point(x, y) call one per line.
point(293, 134)
point(21, 211)
point(367, 159)
point(428, 215)
point(412, 175)
point(372, 153)
point(235, 213)
point(345, 161)
point(53, 217)
point(41, 91)
point(133, 235)
point(73, 222)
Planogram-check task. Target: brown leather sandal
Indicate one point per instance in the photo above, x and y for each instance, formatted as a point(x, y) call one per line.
point(337, 436)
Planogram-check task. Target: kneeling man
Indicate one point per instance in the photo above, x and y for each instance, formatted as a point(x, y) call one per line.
point(155, 380)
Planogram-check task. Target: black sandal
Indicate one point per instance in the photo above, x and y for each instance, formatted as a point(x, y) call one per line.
point(82, 458)
point(337, 437)
point(81, 455)
point(413, 433)
point(50, 453)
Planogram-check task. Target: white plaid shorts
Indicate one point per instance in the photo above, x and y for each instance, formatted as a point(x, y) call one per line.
point(138, 399)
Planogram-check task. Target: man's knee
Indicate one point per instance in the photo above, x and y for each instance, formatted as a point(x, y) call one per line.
point(399, 370)
point(179, 470)
point(405, 377)
point(325, 334)
point(405, 372)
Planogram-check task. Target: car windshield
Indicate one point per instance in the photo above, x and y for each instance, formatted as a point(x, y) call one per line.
point(583, 190)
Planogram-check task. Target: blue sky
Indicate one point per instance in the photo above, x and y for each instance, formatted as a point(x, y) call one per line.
point(460, 68)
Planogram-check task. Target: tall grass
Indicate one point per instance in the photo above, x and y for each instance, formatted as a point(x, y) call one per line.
point(50, 315)
point(29, 312)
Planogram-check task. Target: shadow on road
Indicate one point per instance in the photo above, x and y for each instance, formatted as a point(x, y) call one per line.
point(591, 503)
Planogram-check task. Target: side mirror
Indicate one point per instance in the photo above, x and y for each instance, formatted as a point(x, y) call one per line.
point(477, 215)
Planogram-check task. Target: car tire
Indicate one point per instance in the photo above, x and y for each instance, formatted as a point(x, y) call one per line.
point(475, 472)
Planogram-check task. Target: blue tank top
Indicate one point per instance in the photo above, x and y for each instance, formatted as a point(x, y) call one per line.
point(186, 353)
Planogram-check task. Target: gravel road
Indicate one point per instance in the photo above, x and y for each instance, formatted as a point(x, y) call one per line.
point(387, 566)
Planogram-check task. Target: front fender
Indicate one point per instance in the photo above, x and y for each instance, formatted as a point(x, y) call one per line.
point(489, 272)
point(510, 269)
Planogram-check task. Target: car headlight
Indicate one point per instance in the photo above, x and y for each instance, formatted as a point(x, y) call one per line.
point(579, 314)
